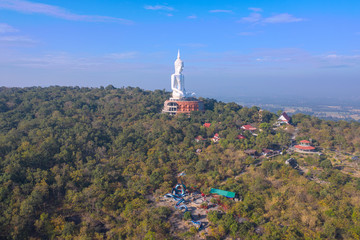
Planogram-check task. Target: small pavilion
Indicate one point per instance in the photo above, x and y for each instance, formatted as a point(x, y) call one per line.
point(248, 128)
point(207, 125)
point(304, 146)
point(216, 138)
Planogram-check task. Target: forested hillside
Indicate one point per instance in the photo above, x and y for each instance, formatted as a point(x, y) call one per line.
point(91, 163)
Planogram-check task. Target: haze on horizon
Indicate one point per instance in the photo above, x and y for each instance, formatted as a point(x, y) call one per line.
point(238, 48)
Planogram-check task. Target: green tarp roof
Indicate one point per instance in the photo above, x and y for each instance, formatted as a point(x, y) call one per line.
point(223, 193)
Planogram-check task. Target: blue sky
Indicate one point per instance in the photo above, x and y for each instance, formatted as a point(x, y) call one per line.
point(230, 48)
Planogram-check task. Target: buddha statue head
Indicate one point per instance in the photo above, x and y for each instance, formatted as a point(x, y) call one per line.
point(179, 64)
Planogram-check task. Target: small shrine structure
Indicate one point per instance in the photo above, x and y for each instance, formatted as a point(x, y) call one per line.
point(304, 146)
point(283, 119)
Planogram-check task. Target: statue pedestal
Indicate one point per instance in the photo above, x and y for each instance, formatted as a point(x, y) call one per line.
point(184, 105)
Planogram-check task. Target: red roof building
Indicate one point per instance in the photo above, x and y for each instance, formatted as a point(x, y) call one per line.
point(283, 119)
point(304, 146)
point(266, 151)
point(199, 138)
point(207, 125)
point(248, 127)
point(240, 137)
point(216, 138)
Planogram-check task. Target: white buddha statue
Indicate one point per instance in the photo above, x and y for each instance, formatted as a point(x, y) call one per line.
point(177, 80)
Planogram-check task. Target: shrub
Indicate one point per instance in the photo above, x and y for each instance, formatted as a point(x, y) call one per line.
point(187, 216)
point(326, 164)
point(214, 201)
point(204, 205)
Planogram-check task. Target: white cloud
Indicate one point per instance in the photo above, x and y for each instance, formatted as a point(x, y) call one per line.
point(66, 60)
point(5, 28)
point(57, 60)
point(331, 56)
point(159, 7)
point(256, 17)
point(246, 34)
point(220, 11)
point(9, 40)
point(252, 18)
point(169, 15)
point(270, 57)
point(192, 17)
point(255, 9)
point(341, 57)
point(52, 60)
point(16, 39)
point(193, 45)
point(334, 60)
point(55, 11)
point(282, 18)
point(273, 59)
point(124, 55)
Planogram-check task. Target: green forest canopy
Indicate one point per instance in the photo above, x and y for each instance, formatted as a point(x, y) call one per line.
point(79, 163)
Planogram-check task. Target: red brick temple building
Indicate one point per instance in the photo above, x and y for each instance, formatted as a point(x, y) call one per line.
point(186, 106)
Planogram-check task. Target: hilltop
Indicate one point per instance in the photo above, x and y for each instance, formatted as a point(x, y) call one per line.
point(96, 163)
